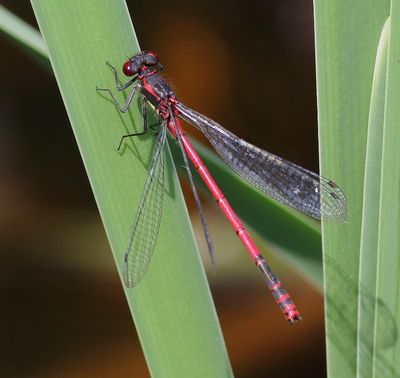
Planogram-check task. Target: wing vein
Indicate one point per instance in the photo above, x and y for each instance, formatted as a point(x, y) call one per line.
point(282, 180)
point(146, 225)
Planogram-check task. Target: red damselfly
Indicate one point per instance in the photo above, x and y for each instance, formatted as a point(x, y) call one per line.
point(286, 182)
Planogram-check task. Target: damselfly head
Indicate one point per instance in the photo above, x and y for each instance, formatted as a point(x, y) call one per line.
point(140, 62)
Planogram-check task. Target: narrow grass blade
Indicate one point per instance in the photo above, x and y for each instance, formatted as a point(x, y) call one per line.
point(370, 221)
point(27, 37)
point(172, 307)
point(347, 36)
point(386, 356)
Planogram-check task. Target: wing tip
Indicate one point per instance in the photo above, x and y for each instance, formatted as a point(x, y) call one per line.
point(335, 208)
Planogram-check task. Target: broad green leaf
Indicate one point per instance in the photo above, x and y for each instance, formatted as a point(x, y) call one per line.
point(171, 306)
point(347, 35)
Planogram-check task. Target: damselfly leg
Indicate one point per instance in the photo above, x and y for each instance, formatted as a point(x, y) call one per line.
point(144, 115)
point(207, 235)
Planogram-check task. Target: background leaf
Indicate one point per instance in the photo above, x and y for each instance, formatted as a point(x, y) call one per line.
point(347, 36)
point(370, 221)
point(386, 350)
point(23, 33)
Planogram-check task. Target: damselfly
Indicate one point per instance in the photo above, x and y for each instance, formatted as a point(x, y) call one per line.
point(286, 182)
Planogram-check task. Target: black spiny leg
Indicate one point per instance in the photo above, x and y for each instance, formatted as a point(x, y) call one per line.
point(125, 107)
point(207, 235)
point(120, 87)
point(144, 115)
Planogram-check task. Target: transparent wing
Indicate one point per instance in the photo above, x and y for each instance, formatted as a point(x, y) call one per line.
point(145, 228)
point(284, 181)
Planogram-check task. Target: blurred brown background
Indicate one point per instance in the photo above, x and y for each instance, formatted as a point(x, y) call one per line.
point(250, 66)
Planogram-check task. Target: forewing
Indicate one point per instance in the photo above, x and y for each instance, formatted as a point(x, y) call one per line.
point(284, 181)
point(146, 226)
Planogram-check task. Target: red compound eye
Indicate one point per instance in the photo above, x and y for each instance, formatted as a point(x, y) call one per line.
point(153, 53)
point(150, 58)
point(127, 68)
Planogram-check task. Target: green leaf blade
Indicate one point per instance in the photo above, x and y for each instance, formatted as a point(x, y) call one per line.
point(178, 339)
